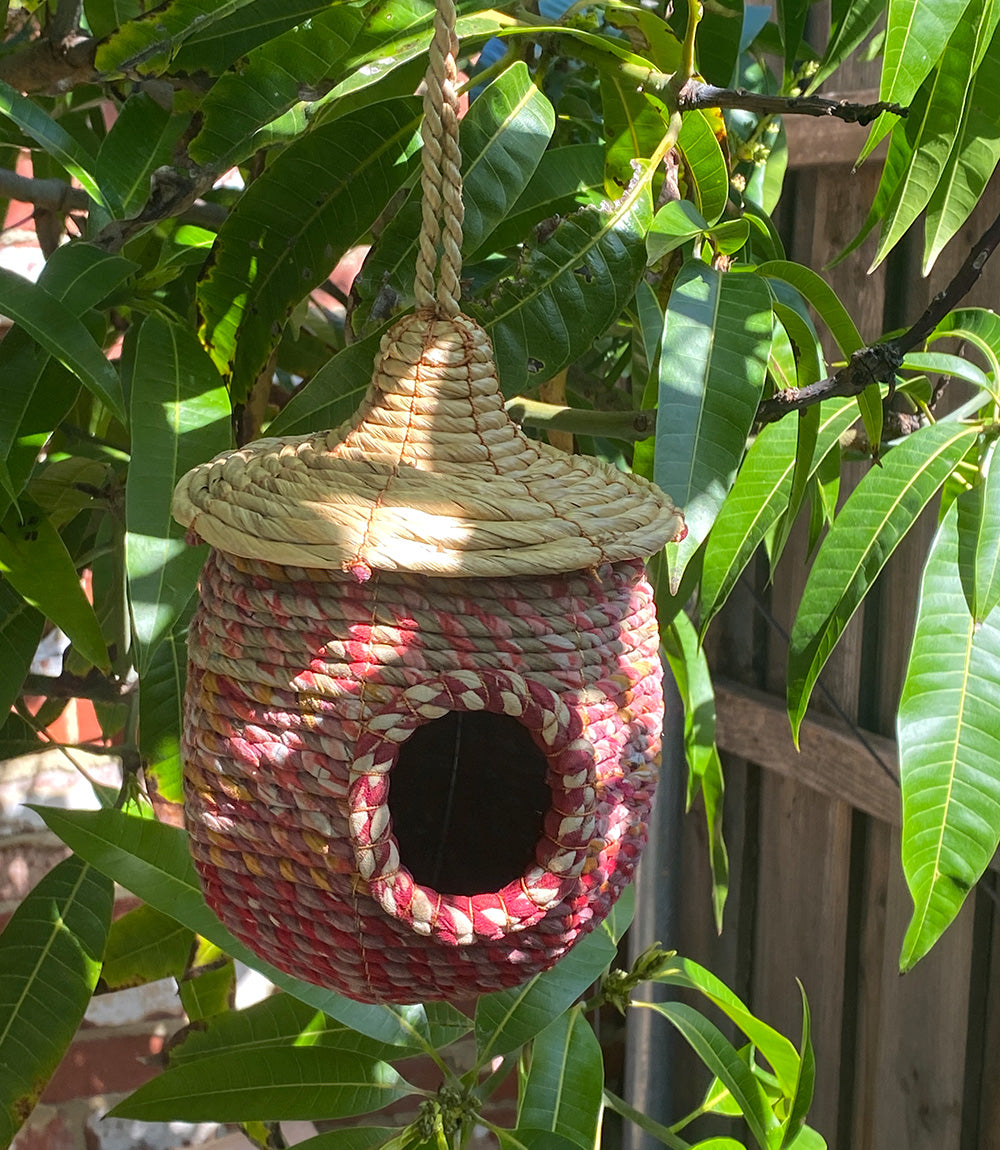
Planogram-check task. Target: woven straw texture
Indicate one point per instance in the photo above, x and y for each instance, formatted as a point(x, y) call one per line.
point(430, 476)
point(305, 684)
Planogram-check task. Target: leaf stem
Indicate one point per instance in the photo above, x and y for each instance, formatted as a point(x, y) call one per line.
point(688, 67)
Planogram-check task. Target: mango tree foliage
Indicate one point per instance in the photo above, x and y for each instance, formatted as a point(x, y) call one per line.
point(210, 165)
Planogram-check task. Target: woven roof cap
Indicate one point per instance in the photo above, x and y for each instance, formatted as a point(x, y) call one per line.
point(430, 476)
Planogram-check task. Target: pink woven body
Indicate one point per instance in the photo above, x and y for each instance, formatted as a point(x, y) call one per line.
point(304, 684)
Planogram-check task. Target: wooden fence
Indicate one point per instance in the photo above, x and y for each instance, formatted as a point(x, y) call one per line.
point(903, 1063)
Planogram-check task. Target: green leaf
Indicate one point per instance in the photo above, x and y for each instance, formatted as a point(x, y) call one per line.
point(932, 125)
point(507, 1019)
point(333, 394)
point(351, 1138)
point(791, 23)
point(705, 168)
point(713, 361)
point(976, 325)
point(846, 33)
point(916, 36)
point(180, 417)
point(777, 1049)
point(566, 178)
point(35, 122)
point(986, 561)
point(972, 161)
point(38, 390)
point(317, 199)
point(104, 16)
point(281, 1020)
point(565, 1082)
point(632, 126)
point(879, 512)
point(503, 137)
point(50, 955)
point(34, 560)
point(644, 1122)
point(948, 739)
point(125, 168)
point(58, 330)
point(222, 43)
point(161, 714)
point(722, 1059)
point(271, 79)
point(151, 859)
point(271, 1085)
point(524, 1138)
point(673, 225)
point(20, 631)
point(570, 287)
point(147, 44)
point(758, 497)
point(719, 37)
point(802, 1097)
point(694, 682)
point(823, 298)
point(143, 946)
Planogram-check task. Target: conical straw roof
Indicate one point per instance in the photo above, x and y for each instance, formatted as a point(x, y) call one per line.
point(431, 476)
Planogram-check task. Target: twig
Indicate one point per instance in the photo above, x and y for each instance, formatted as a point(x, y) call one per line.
point(695, 94)
point(880, 362)
point(94, 686)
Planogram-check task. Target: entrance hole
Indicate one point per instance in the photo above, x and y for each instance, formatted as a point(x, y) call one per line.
point(467, 797)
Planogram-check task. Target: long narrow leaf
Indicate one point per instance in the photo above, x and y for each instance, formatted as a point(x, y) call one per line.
point(949, 740)
point(565, 1082)
point(316, 200)
point(34, 560)
point(570, 287)
point(50, 955)
point(713, 360)
point(151, 859)
point(267, 1086)
point(880, 511)
point(20, 629)
point(509, 1018)
point(758, 497)
point(60, 145)
point(503, 138)
point(58, 330)
point(722, 1059)
point(180, 417)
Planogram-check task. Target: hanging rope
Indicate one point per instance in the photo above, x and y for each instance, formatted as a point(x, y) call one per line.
point(441, 178)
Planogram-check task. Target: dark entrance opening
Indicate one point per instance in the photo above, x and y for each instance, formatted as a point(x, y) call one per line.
point(467, 797)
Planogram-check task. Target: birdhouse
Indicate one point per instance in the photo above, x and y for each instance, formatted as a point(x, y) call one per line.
point(423, 708)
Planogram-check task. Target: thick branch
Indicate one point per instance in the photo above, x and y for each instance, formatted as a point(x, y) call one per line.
point(695, 94)
point(58, 196)
point(65, 686)
point(51, 64)
point(880, 362)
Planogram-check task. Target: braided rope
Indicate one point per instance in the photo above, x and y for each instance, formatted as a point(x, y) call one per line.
point(441, 174)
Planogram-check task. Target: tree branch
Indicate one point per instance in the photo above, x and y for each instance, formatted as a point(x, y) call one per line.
point(880, 362)
point(65, 686)
point(695, 94)
point(51, 64)
point(57, 196)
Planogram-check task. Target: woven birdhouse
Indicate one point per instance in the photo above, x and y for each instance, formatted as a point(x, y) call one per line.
point(423, 709)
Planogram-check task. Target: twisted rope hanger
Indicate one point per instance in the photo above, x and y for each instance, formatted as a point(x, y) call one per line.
point(441, 174)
